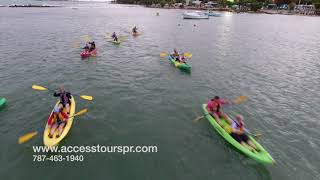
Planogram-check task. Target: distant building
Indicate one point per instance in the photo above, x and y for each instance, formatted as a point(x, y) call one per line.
point(197, 2)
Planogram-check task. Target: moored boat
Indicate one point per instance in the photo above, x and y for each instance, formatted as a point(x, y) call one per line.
point(194, 15)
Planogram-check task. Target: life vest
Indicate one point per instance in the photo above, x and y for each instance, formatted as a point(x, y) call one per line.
point(215, 106)
point(62, 116)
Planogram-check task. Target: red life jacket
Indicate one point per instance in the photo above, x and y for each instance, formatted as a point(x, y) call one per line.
point(60, 117)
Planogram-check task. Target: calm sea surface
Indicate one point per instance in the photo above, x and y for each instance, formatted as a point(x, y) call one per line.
point(141, 99)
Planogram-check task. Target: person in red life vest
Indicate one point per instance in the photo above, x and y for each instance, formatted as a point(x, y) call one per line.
point(238, 133)
point(214, 108)
point(64, 98)
point(58, 119)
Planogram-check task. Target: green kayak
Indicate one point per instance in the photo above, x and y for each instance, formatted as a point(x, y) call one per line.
point(2, 102)
point(262, 156)
point(182, 66)
point(116, 42)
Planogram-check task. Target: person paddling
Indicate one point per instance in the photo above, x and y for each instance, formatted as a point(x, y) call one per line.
point(175, 53)
point(58, 120)
point(182, 59)
point(86, 48)
point(214, 107)
point(238, 133)
point(64, 98)
point(134, 30)
point(178, 57)
point(92, 46)
point(114, 36)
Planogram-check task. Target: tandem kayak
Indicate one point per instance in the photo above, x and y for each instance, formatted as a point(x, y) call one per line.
point(54, 140)
point(86, 54)
point(182, 66)
point(262, 156)
point(3, 102)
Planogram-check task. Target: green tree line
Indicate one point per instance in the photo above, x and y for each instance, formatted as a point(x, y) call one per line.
point(253, 4)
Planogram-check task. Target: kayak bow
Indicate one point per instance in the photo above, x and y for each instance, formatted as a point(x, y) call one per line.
point(3, 102)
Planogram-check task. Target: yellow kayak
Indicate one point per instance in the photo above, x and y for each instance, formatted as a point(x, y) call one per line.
point(54, 141)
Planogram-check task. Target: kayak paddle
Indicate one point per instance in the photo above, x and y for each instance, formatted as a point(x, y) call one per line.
point(163, 54)
point(228, 129)
point(186, 54)
point(29, 136)
point(41, 88)
point(87, 38)
point(257, 135)
point(239, 99)
point(122, 38)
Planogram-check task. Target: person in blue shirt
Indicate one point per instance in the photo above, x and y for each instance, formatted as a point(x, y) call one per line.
point(114, 36)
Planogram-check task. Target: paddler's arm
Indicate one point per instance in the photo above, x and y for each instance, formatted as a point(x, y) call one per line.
point(236, 131)
point(225, 102)
point(217, 120)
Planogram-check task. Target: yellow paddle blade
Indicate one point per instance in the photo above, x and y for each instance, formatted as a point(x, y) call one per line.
point(90, 98)
point(27, 137)
point(240, 99)
point(163, 54)
point(122, 38)
point(187, 54)
point(81, 112)
point(36, 87)
point(86, 38)
point(107, 35)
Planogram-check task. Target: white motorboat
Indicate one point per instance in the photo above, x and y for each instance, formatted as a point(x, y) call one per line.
point(194, 15)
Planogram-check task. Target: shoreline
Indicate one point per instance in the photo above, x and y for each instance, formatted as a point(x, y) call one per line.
point(228, 9)
point(261, 11)
point(32, 6)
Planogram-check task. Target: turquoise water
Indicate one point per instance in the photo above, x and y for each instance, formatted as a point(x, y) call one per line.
point(141, 99)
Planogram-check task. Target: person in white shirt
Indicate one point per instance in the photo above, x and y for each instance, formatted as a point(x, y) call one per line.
point(238, 132)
